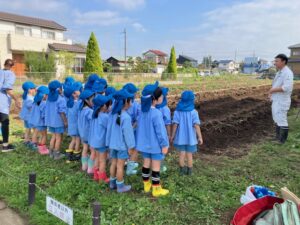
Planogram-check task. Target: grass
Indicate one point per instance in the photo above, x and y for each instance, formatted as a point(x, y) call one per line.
point(207, 197)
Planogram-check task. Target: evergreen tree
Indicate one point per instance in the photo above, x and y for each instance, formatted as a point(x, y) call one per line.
point(172, 66)
point(93, 62)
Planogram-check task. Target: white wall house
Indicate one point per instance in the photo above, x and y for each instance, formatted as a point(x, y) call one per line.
point(159, 57)
point(228, 65)
point(19, 34)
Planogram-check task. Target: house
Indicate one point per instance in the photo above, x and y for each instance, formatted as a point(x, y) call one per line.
point(294, 60)
point(118, 63)
point(19, 34)
point(254, 64)
point(183, 58)
point(159, 57)
point(79, 56)
point(227, 65)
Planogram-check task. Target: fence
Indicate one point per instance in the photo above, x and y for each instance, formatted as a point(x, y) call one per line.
point(95, 216)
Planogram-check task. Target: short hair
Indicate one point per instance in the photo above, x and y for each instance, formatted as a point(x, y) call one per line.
point(283, 57)
point(9, 62)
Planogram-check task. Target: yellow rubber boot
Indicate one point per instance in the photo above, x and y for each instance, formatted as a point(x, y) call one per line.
point(158, 191)
point(147, 186)
point(69, 153)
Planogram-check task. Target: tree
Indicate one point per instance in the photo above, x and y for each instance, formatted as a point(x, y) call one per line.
point(40, 65)
point(107, 67)
point(66, 59)
point(172, 66)
point(93, 62)
point(143, 66)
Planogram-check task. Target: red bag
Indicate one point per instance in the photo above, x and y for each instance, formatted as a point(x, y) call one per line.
point(247, 213)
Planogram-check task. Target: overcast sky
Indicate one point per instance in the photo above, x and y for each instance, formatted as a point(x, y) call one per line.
point(195, 27)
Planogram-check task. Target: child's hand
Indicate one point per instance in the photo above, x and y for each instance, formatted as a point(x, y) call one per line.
point(200, 141)
point(164, 150)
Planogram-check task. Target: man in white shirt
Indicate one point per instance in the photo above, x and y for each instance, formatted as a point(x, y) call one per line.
point(280, 95)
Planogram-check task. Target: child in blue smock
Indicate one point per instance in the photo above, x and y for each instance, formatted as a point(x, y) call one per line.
point(133, 111)
point(120, 139)
point(186, 133)
point(37, 119)
point(84, 122)
point(152, 138)
point(55, 118)
point(166, 113)
point(72, 93)
point(98, 135)
point(110, 91)
point(29, 90)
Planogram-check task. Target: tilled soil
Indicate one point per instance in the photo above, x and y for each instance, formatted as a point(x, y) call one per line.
point(232, 119)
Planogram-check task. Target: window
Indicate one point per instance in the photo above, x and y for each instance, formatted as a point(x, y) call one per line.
point(78, 65)
point(296, 53)
point(26, 31)
point(48, 34)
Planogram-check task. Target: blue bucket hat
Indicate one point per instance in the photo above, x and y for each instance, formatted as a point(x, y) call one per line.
point(69, 90)
point(53, 90)
point(26, 87)
point(99, 101)
point(77, 86)
point(98, 87)
point(91, 80)
point(103, 82)
point(110, 91)
point(68, 81)
point(41, 91)
point(131, 88)
point(165, 101)
point(186, 103)
point(147, 94)
point(85, 95)
point(119, 96)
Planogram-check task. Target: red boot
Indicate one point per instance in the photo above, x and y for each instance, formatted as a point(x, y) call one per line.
point(96, 174)
point(103, 177)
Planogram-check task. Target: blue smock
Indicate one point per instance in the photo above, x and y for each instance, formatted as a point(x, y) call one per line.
point(151, 132)
point(186, 133)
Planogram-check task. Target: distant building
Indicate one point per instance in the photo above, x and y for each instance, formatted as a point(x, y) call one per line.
point(228, 65)
point(254, 64)
point(158, 57)
point(294, 60)
point(118, 64)
point(183, 58)
point(19, 34)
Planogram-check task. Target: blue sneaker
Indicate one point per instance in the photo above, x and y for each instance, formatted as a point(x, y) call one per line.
point(112, 183)
point(32, 146)
point(122, 188)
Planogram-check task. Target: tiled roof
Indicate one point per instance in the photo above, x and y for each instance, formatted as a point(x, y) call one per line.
point(157, 52)
point(4, 16)
point(66, 47)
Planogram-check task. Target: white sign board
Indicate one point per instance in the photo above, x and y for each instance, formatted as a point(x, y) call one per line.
point(59, 210)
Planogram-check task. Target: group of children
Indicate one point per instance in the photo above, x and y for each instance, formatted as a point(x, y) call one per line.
point(109, 125)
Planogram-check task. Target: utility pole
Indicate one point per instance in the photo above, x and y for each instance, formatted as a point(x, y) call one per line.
point(235, 52)
point(125, 48)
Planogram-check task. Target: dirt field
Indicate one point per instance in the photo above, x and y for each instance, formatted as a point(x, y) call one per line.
point(234, 118)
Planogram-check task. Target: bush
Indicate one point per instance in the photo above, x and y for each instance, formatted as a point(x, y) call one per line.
point(40, 65)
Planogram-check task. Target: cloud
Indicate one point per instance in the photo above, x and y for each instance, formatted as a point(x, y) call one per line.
point(127, 4)
point(266, 26)
point(99, 18)
point(138, 27)
point(33, 5)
